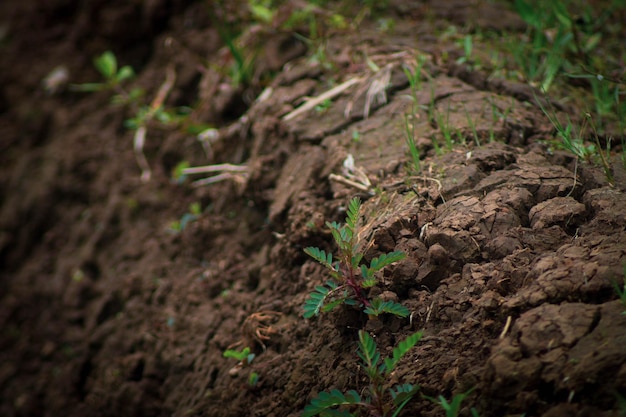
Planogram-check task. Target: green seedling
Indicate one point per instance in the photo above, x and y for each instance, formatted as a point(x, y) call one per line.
point(194, 212)
point(467, 50)
point(445, 129)
point(324, 106)
point(415, 78)
point(409, 136)
point(375, 397)
point(350, 278)
point(453, 407)
point(253, 379)
point(472, 126)
point(550, 36)
point(106, 64)
point(244, 356)
point(262, 10)
point(571, 139)
point(178, 172)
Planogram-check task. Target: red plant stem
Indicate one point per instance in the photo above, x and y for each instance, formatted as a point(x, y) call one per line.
point(353, 283)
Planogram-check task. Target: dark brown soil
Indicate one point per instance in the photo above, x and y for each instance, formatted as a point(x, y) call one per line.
point(106, 311)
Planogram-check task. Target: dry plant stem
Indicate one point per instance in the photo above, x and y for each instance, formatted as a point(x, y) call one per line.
point(348, 182)
point(215, 168)
point(138, 142)
point(140, 134)
point(332, 93)
point(220, 177)
point(506, 327)
point(377, 89)
point(229, 171)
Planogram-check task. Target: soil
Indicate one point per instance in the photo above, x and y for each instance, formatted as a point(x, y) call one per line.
point(106, 310)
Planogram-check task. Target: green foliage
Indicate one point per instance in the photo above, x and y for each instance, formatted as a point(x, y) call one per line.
point(549, 39)
point(453, 407)
point(146, 113)
point(379, 306)
point(253, 379)
point(334, 398)
point(106, 64)
point(409, 136)
point(381, 400)
point(467, 50)
point(244, 356)
point(178, 175)
point(192, 215)
point(570, 138)
point(350, 277)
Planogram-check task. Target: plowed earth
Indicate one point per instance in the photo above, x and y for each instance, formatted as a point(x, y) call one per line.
point(105, 311)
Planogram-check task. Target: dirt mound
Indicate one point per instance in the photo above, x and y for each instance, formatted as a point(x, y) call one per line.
point(119, 296)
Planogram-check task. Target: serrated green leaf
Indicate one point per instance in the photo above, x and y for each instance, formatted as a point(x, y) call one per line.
point(385, 259)
point(377, 307)
point(367, 350)
point(401, 350)
point(333, 225)
point(401, 395)
point(320, 256)
point(353, 213)
point(314, 303)
point(329, 306)
point(368, 283)
point(400, 391)
point(327, 400)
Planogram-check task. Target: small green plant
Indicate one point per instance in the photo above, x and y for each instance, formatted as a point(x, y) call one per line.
point(350, 278)
point(106, 64)
point(571, 139)
point(472, 126)
point(467, 50)
point(409, 136)
point(324, 106)
point(192, 215)
point(244, 356)
point(178, 174)
point(444, 128)
point(415, 78)
point(549, 35)
point(453, 407)
point(253, 379)
point(378, 392)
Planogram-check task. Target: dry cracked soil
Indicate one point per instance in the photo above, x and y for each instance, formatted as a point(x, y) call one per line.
point(108, 309)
